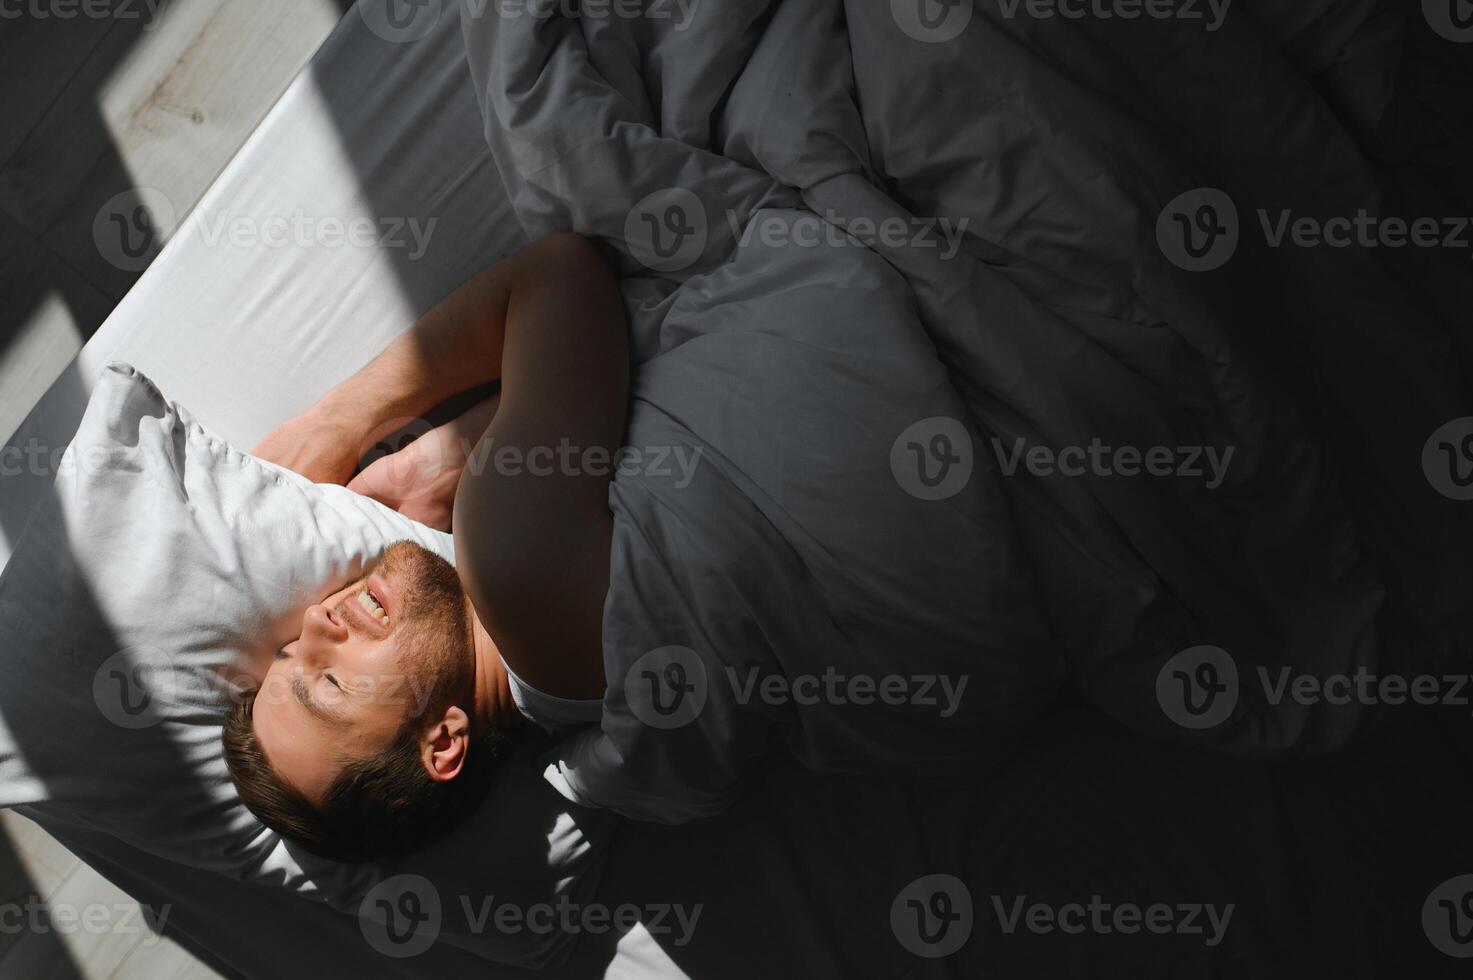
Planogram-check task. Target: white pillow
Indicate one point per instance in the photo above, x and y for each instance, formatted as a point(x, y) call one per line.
point(163, 557)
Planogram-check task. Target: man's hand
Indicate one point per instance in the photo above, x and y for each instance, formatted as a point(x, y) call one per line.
point(420, 480)
point(322, 449)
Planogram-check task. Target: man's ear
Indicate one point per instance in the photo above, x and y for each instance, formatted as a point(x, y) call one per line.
point(443, 747)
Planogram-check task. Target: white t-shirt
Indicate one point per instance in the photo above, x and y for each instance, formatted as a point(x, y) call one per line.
point(554, 715)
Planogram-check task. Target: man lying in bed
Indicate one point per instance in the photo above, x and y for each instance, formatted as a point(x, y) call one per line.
point(327, 751)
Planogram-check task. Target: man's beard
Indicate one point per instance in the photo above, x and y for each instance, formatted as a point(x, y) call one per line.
point(435, 642)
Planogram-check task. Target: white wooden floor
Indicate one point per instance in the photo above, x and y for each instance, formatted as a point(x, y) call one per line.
point(91, 107)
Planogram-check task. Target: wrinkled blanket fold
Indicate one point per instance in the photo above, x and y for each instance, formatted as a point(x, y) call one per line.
point(747, 162)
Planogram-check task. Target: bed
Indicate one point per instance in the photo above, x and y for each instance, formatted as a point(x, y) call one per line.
point(1327, 863)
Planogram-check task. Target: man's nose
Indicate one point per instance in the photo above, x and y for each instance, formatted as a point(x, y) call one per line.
point(323, 625)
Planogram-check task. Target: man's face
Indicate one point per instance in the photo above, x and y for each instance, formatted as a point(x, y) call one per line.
point(367, 662)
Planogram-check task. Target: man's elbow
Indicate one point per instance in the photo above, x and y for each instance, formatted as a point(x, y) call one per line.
point(577, 272)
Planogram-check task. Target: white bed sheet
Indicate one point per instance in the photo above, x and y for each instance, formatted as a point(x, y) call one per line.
point(247, 334)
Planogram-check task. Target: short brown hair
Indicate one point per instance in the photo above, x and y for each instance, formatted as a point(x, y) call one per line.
point(375, 808)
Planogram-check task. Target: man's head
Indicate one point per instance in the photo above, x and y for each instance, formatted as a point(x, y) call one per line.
point(363, 739)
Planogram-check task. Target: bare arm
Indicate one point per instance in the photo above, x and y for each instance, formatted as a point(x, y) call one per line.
point(532, 521)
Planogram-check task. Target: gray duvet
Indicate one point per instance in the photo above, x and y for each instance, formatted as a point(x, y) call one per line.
point(968, 366)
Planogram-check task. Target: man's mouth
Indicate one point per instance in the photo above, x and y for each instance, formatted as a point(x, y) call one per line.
point(373, 607)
